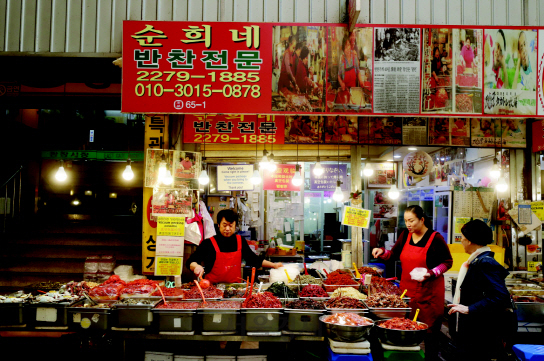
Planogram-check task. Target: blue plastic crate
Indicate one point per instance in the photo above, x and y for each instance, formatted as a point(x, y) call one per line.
point(529, 352)
point(348, 357)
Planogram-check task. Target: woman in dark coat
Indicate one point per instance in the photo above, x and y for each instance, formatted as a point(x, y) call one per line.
point(481, 298)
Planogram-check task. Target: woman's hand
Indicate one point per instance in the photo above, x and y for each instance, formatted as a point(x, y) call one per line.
point(377, 252)
point(426, 276)
point(198, 271)
point(458, 308)
point(278, 265)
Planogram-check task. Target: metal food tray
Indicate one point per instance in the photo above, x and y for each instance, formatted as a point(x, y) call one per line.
point(134, 316)
point(175, 320)
point(385, 313)
point(303, 320)
point(219, 319)
point(61, 318)
point(11, 313)
point(530, 311)
point(97, 318)
point(262, 319)
point(359, 311)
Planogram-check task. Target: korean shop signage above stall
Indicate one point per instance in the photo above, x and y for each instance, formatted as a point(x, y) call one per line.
point(92, 155)
point(271, 68)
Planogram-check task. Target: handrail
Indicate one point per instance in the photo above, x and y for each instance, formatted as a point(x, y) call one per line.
point(13, 176)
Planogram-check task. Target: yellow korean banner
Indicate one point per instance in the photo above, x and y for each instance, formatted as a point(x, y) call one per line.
point(168, 266)
point(356, 217)
point(170, 226)
point(531, 266)
point(538, 209)
point(459, 222)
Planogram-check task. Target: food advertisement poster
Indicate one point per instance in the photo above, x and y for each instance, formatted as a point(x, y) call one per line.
point(540, 87)
point(510, 71)
point(437, 70)
point(380, 130)
point(170, 226)
point(396, 70)
point(467, 67)
point(414, 131)
point(172, 169)
point(280, 179)
point(328, 180)
point(485, 132)
point(299, 68)
point(538, 135)
point(173, 202)
point(168, 266)
point(514, 133)
point(234, 177)
point(196, 67)
point(449, 131)
point(170, 246)
point(233, 128)
point(303, 129)
point(356, 217)
point(341, 129)
point(383, 176)
point(349, 83)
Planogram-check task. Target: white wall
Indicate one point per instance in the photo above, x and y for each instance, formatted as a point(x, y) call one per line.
point(93, 27)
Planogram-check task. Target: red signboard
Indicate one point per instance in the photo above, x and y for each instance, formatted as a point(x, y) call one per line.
point(280, 180)
point(234, 129)
point(196, 67)
point(538, 136)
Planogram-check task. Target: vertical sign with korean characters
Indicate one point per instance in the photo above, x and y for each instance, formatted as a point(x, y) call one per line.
point(196, 67)
point(156, 137)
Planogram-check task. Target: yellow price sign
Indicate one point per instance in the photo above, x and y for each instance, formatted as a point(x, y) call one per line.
point(459, 222)
point(538, 209)
point(168, 266)
point(171, 226)
point(356, 217)
point(531, 266)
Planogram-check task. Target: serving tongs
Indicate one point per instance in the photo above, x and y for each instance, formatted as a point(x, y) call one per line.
point(93, 302)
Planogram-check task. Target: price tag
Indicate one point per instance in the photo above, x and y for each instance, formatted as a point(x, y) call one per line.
point(177, 322)
point(217, 318)
point(270, 317)
point(85, 323)
point(368, 279)
point(95, 318)
point(46, 314)
point(76, 317)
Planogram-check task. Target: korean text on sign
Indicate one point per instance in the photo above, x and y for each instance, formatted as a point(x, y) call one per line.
point(185, 67)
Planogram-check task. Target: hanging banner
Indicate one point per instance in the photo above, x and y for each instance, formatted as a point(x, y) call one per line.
point(234, 129)
point(356, 217)
point(327, 181)
point(234, 177)
point(397, 70)
point(510, 67)
point(280, 179)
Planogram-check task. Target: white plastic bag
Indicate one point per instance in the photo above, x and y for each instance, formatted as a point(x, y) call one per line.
point(278, 275)
point(418, 274)
point(209, 229)
point(192, 231)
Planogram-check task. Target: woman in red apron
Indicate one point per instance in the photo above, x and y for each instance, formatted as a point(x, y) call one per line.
point(421, 247)
point(287, 72)
point(220, 257)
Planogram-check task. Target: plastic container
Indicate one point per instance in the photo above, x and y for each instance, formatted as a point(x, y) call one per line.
point(262, 319)
point(529, 352)
point(303, 320)
point(89, 318)
point(175, 320)
point(11, 314)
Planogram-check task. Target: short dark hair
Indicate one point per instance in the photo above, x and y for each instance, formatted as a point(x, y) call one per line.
point(228, 214)
point(476, 231)
point(304, 52)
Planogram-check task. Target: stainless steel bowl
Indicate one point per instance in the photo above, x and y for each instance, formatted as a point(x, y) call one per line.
point(345, 333)
point(400, 337)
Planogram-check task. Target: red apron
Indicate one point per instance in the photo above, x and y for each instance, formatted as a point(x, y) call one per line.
point(227, 265)
point(350, 75)
point(285, 80)
point(428, 296)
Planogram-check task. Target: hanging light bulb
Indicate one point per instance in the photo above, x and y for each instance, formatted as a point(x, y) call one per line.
point(393, 192)
point(297, 179)
point(338, 195)
point(495, 172)
point(162, 171)
point(203, 178)
point(61, 173)
point(168, 179)
point(255, 178)
point(318, 169)
point(368, 171)
point(501, 186)
point(264, 163)
point(272, 166)
point(128, 174)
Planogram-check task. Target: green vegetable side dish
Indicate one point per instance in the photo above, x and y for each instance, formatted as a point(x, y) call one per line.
point(280, 289)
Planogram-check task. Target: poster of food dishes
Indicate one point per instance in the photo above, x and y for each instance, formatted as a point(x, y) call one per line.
point(350, 73)
point(171, 202)
point(299, 68)
point(172, 169)
point(380, 130)
point(341, 129)
point(384, 175)
point(513, 133)
point(485, 132)
point(396, 70)
point(510, 71)
point(303, 129)
point(449, 131)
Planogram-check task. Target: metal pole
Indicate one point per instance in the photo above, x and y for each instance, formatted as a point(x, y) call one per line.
point(19, 196)
point(13, 201)
point(5, 208)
